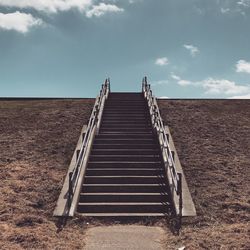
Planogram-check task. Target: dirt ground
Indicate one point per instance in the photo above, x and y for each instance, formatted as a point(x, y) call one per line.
point(37, 139)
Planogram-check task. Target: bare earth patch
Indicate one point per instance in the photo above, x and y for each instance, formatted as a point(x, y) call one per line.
point(37, 139)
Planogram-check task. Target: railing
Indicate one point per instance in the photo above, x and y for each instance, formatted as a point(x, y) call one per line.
point(91, 128)
point(174, 177)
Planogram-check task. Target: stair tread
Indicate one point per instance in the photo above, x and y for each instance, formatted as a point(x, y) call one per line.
point(123, 214)
point(124, 176)
point(126, 155)
point(117, 149)
point(96, 194)
point(128, 185)
point(122, 203)
point(118, 169)
point(128, 162)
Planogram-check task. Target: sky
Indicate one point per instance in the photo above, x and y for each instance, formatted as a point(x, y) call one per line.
point(66, 48)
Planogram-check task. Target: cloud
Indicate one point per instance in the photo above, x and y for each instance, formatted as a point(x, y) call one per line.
point(192, 49)
point(163, 97)
point(243, 66)
point(162, 61)
point(175, 77)
point(247, 96)
point(244, 3)
point(18, 21)
point(224, 10)
point(101, 9)
point(181, 81)
point(223, 86)
point(51, 6)
point(214, 86)
point(161, 82)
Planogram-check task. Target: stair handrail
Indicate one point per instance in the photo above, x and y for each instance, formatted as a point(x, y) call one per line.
point(95, 116)
point(158, 126)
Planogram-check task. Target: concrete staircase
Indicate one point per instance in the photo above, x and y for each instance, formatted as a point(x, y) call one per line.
point(125, 175)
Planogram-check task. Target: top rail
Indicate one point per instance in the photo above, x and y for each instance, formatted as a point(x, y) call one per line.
point(91, 128)
point(168, 155)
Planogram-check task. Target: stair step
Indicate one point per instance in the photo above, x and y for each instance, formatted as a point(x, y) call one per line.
point(124, 152)
point(125, 103)
point(125, 111)
point(124, 188)
point(125, 179)
point(120, 132)
point(123, 164)
point(125, 146)
point(126, 98)
point(122, 119)
point(124, 171)
point(130, 115)
point(123, 197)
point(122, 107)
point(123, 207)
point(125, 136)
point(149, 158)
point(126, 125)
point(126, 130)
point(123, 214)
point(125, 141)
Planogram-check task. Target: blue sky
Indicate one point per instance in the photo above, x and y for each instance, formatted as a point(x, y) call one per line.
point(66, 48)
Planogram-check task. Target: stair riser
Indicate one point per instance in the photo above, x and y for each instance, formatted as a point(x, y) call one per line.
point(106, 125)
point(123, 209)
point(126, 130)
point(134, 158)
point(125, 115)
point(124, 141)
point(140, 122)
point(125, 103)
point(124, 189)
point(124, 146)
point(125, 136)
point(124, 198)
point(136, 107)
point(92, 165)
point(124, 172)
point(123, 180)
point(125, 109)
point(125, 120)
point(125, 152)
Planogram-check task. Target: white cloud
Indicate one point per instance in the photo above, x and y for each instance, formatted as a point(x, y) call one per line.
point(161, 82)
point(224, 10)
point(244, 3)
point(247, 96)
point(180, 81)
point(223, 86)
point(52, 6)
point(175, 77)
point(214, 86)
point(163, 97)
point(101, 9)
point(243, 66)
point(192, 49)
point(18, 21)
point(162, 61)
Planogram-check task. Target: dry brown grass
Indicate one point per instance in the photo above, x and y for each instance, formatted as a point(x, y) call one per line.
point(37, 139)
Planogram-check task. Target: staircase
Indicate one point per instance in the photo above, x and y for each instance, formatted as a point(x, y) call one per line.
point(125, 175)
